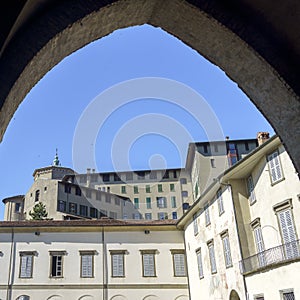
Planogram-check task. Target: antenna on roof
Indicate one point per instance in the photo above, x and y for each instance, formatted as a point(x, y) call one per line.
point(56, 160)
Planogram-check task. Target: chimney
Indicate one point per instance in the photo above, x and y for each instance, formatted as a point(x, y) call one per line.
point(262, 137)
point(227, 138)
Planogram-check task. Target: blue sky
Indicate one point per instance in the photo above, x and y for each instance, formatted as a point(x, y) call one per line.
point(48, 117)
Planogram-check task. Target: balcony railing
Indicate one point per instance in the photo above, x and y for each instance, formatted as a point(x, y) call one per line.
point(273, 256)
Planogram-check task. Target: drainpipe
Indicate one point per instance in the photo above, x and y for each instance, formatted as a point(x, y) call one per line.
point(187, 269)
point(239, 241)
point(11, 267)
point(104, 267)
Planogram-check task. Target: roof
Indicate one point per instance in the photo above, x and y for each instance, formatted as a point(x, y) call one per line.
point(52, 167)
point(12, 198)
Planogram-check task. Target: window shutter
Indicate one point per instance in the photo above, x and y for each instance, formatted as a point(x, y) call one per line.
point(86, 265)
point(200, 266)
point(212, 258)
point(26, 266)
point(250, 186)
point(148, 261)
point(118, 265)
point(259, 239)
point(179, 264)
point(287, 226)
point(227, 253)
point(275, 167)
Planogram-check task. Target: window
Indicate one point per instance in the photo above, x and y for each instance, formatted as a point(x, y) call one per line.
point(153, 175)
point(108, 189)
point(195, 224)
point(23, 297)
point(87, 263)
point(72, 208)
point(88, 194)
point(117, 177)
point(68, 188)
point(148, 189)
point(105, 177)
point(78, 191)
point(259, 297)
point(183, 180)
point(199, 262)
point(135, 189)
point(93, 212)
point(61, 205)
point(117, 201)
point(173, 202)
point(184, 194)
point(140, 175)
point(179, 264)
point(136, 203)
point(56, 263)
point(226, 249)
point(287, 295)
point(174, 174)
point(108, 198)
point(17, 207)
point(172, 187)
point(275, 167)
point(196, 190)
point(148, 202)
point(205, 150)
point(148, 261)
point(123, 189)
point(161, 202)
point(136, 216)
point(37, 196)
point(216, 148)
point(220, 202)
point(259, 242)
point(166, 175)
point(159, 188)
point(148, 216)
point(212, 163)
point(174, 215)
point(212, 258)
point(26, 264)
point(117, 263)
point(207, 216)
point(162, 216)
point(287, 229)
point(98, 195)
point(45, 189)
point(250, 187)
point(83, 210)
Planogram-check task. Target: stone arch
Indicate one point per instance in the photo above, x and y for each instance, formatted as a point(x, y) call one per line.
point(250, 60)
point(182, 297)
point(118, 297)
point(234, 295)
point(151, 297)
point(86, 297)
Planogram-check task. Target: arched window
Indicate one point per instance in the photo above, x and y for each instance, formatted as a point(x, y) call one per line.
point(23, 297)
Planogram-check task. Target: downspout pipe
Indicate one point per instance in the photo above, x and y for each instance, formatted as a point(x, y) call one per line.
point(10, 267)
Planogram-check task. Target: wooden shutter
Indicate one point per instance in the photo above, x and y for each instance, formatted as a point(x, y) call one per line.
point(26, 266)
point(200, 266)
point(87, 265)
point(179, 264)
point(149, 265)
point(117, 265)
point(275, 167)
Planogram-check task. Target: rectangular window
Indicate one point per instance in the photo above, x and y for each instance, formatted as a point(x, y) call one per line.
point(275, 168)
point(183, 180)
point(250, 187)
point(136, 203)
point(161, 202)
point(226, 249)
point(148, 216)
point(83, 210)
point(98, 195)
point(61, 205)
point(135, 189)
point(78, 191)
point(259, 242)
point(212, 258)
point(26, 264)
point(136, 216)
point(105, 177)
point(195, 224)
point(162, 216)
point(67, 188)
point(159, 188)
point(140, 175)
point(93, 212)
point(199, 262)
point(72, 208)
point(17, 207)
point(184, 194)
point(288, 295)
point(88, 194)
point(153, 175)
point(220, 202)
point(172, 187)
point(117, 201)
point(116, 177)
point(148, 202)
point(173, 202)
point(123, 189)
point(129, 176)
point(174, 215)
point(148, 261)
point(207, 216)
point(87, 264)
point(117, 263)
point(56, 263)
point(179, 264)
point(166, 175)
point(212, 163)
point(174, 174)
point(108, 198)
point(148, 190)
point(37, 196)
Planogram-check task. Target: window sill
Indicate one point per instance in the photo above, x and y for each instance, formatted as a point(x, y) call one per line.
point(274, 183)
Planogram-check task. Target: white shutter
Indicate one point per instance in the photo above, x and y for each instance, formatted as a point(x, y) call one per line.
point(26, 266)
point(207, 216)
point(200, 266)
point(275, 167)
point(227, 253)
point(86, 265)
point(118, 265)
point(260, 247)
point(220, 202)
point(250, 186)
point(148, 263)
point(179, 264)
point(212, 258)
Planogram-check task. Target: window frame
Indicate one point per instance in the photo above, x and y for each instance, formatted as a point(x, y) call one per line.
point(220, 202)
point(60, 254)
point(226, 249)
point(200, 263)
point(212, 257)
point(92, 254)
point(182, 258)
point(119, 253)
point(27, 254)
point(151, 253)
point(271, 158)
point(250, 190)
